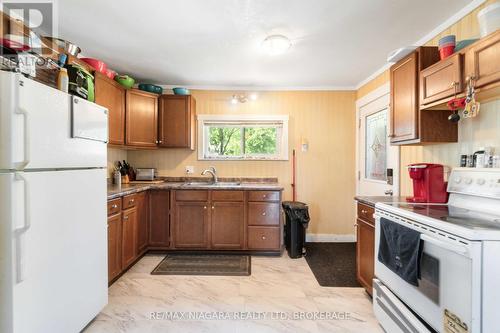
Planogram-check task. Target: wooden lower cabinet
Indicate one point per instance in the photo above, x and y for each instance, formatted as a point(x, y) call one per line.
point(159, 229)
point(129, 236)
point(142, 221)
point(114, 245)
point(365, 249)
point(191, 224)
point(226, 220)
point(227, 225)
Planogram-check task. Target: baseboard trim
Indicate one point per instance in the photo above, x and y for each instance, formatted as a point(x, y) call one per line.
point(323, 238)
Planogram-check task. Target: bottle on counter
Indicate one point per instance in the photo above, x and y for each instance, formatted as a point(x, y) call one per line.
point(117, 178)
point(63, 80)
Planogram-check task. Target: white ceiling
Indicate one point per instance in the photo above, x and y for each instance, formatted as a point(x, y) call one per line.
point(216, 43)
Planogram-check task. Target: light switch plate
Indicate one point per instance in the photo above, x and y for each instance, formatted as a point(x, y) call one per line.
point(189, 169)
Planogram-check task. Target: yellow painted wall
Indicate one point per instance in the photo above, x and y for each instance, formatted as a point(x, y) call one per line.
point(325, 174)
point(473, 133)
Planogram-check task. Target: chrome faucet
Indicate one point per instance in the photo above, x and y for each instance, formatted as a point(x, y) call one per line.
point(211, 170)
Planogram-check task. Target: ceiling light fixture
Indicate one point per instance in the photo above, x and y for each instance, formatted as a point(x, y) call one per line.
point(243, 98)
point(276, 44)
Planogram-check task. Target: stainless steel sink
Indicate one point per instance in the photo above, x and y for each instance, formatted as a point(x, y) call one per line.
point(210, 184)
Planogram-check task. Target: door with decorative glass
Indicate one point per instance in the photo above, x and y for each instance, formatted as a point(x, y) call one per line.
point(378, 161)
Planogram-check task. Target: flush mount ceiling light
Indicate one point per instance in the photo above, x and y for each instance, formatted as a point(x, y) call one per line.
point(243, 98)
point(276, 44)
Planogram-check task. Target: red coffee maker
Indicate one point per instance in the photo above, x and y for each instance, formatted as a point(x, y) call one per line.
point(428, 183)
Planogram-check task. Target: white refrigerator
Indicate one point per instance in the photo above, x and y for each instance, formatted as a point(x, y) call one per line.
point(53, 224)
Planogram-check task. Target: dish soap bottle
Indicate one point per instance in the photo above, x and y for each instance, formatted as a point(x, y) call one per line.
point(63, 80)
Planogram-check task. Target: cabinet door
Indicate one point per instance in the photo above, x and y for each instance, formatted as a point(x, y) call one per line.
point(404, 102)
point(482, 61)
point(111, 95)
point(365, 254)
point(227, 225)
point(176, 121)
point(129, 239)
point(159, 231)
point(141, 119)
point(442, 80)
point(191, 225)
point(114, 246)
point(142, 221)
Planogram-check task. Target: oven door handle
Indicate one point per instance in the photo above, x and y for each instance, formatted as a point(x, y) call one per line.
point(462, 250)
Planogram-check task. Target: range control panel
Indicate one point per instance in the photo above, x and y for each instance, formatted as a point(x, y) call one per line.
point(477, 181)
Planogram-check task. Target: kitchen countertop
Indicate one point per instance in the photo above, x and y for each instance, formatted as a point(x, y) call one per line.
point(116, 192)
point(372, 200)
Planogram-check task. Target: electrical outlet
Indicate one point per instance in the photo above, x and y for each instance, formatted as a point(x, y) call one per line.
point(189, 169)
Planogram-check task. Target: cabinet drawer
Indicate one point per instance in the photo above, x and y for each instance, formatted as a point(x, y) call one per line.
point(129, 201)
point(264, 196)
point(263, 213)
point(366, 212)
point(263, 238)
point(191, 195)
point(227, 195)
point(114, 206)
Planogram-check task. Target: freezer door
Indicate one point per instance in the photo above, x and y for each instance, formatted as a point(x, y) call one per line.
point(36, 128)
point(56, 260)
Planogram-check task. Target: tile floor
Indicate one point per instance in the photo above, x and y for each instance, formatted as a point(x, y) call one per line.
point(277, 294)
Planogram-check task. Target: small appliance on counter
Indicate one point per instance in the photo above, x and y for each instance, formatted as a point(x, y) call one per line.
point(145, 174)
point(428, 183)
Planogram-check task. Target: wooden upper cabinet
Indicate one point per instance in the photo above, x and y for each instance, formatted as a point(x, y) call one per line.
point(404, 97)
point(482, 61)
point(441, 80)
point(409, 124)
point(111, 95)
point(141, 119)
point(227, 225)
point(176, 127)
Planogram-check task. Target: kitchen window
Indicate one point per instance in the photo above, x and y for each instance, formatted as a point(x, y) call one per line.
point(244, 137)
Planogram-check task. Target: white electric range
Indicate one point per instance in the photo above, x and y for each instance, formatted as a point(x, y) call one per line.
point(460, 262)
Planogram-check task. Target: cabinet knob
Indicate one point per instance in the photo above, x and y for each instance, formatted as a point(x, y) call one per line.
point(131, 201)
point(264, 214)
point(363, 211)
point(264, 196)
point(454, 83)
point(204, 207)
point(125, 218)
point(114, 206)
point(160, 141)
point(213, 207)
point(263, 237)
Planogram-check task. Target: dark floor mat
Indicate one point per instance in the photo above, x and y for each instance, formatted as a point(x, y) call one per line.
point(204, 264)
point(333, 264)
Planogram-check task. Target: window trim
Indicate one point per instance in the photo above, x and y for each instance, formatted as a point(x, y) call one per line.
point(283, 144)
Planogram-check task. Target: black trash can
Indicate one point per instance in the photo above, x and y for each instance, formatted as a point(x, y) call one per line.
point(297, 220)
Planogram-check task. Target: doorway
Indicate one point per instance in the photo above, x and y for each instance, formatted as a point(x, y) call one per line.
point(378, 162)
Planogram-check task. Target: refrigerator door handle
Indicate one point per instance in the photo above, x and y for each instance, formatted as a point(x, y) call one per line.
point(22, 164)
point(20, 231)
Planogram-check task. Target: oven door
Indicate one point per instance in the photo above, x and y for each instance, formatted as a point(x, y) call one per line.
point(449, 286)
